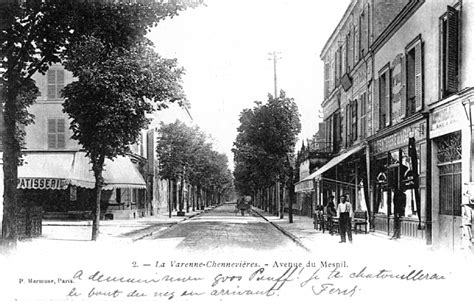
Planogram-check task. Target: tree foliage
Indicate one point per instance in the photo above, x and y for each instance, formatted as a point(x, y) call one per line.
point(35, 34)
point(185, 151)
point(266, 137)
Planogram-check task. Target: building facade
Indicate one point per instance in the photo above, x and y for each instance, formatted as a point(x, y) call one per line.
point(398, 112)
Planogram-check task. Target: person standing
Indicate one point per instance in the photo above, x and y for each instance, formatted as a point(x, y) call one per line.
point(400, 201)
point(344, 212)
point(330, 212)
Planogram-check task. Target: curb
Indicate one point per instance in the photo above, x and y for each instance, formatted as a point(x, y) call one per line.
point(172, 224)
point(283, 231)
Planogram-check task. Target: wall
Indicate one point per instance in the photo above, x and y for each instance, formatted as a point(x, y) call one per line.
point(37, 134)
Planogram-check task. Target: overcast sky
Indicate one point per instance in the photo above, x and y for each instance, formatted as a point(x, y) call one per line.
point(224, 48)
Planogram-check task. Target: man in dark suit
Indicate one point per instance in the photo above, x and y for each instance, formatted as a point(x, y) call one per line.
point(399, 203)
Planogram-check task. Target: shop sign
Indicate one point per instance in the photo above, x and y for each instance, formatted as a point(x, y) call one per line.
point(331, 107)
point(400, 138)
point(306, 185)
point(446, 120)
point(42, 183)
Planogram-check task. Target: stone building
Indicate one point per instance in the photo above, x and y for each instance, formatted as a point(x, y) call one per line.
point(398, 111)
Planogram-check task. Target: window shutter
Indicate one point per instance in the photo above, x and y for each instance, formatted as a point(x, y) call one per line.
point(51, 78)
point(348, 125)
point(61, 139)
point(419, 76)
point(356, 45)
point(51, 133)
point(350, 51)
point(388, 90)
point(451, 60)
point(403, 92)
point(59, 82)
point(355, 125)
point(375, 107)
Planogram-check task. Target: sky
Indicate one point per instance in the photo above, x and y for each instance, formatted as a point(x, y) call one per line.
point(224, 47)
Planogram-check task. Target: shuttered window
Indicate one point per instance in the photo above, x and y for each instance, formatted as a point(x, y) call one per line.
point(55, 79)
point(449, 48)
point(349, 48)
point(354, 120)
point(414, 77)
point(348, 125)
point(384, 98)
point(363, 117)
point(56, 133)
point(327, 68)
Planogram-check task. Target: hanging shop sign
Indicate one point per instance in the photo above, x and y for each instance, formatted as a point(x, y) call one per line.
point(42, 183)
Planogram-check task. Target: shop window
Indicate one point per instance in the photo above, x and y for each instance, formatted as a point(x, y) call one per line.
point(118, 195)
point(55, 79)
point(414, 77)
point(450, 174)
point(56, 133)
point(134, 196)
point(449, 48)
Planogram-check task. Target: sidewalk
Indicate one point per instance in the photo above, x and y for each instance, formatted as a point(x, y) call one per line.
point(303, 233)
point(121, 230)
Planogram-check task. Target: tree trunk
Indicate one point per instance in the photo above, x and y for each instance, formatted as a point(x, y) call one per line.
point(97, 167)
point(282, 203)
point(181, 194)
point(11, 153)
point(170, 191)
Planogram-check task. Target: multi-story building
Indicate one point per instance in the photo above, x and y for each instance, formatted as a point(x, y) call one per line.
point(347, 107)
point(402, 92)
point(56, 174)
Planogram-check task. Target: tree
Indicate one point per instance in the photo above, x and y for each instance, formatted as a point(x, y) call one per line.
point(184, 154)
point(265, 144)
point(176, 146)
point(108, 103)
point(35, 34)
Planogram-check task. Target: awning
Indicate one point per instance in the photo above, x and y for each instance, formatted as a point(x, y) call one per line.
point(56, 170)
point(333, 162)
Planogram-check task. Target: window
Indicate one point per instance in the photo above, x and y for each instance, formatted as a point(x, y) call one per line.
point(348, 52)
point(56, 133)
point(326, 79)
point(354, 120)
point(55, 79)
point(384, 98)
point(450, 174)
point(414, 77)
point(348, 125)
point(449, 63)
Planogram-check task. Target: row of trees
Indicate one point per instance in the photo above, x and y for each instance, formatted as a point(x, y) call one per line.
point(119, 77)
point(186, 155)
point(264, 152)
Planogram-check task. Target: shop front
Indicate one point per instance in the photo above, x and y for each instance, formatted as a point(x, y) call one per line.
point(343, 174)
point(450, 136)
point(60, 185)
point(398, 161)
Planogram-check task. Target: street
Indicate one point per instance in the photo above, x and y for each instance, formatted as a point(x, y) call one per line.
point(223, 227)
